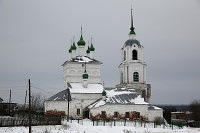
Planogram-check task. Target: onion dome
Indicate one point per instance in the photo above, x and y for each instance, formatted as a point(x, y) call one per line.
point(85, 76)
point(70, 50)
point(73, 47)
point(103, 93)
point(81, 42)
point(88, 50)
point(92, 48)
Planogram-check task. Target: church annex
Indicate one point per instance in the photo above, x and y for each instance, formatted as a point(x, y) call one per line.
point(89, 99)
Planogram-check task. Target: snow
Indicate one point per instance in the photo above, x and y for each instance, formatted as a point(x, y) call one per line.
point(92, 88)
point(155, 107)
point(82, 59)
point(114, 92)
point(87, 127)
point(139, 100)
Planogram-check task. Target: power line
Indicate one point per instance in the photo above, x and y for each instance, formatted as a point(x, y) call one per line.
point(41, 89)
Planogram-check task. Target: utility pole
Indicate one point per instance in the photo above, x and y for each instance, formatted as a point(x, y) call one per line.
point(25, 101)
point(29, 83)
point(9, 102)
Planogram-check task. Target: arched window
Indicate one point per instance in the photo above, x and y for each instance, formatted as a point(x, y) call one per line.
point(136, 77)
point(124, 55)
point(134, 55)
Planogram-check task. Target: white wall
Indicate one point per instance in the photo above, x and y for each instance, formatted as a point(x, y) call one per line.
point(73, 72)
point(155, 113)
point(121, 109)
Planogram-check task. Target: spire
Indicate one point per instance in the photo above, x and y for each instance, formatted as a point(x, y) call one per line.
point(81, 42)
point(92, 47)
point(132, 28)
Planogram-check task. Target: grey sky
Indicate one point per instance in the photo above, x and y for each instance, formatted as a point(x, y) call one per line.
point(35, 37)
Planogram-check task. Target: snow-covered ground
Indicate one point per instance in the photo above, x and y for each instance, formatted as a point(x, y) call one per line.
point(88, 127)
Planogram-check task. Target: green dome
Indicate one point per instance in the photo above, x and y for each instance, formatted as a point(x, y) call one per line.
point(73, 47)
point(85, 76)
point(81, 42)
point(92, 48)
point(70, 50)
point(88, 50)
point(103, 93)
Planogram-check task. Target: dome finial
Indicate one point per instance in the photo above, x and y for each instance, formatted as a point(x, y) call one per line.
point(132, 28)
point(81, 42)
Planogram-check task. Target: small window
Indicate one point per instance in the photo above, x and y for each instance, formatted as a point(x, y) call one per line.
point(134, 55)
point(78, 111)
point(136, 77)
point(116, 114)
point(124, 55)
point(137, 114)
point(103, 114)
point(127, 115)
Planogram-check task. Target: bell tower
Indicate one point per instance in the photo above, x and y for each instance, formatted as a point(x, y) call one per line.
point(132, 66)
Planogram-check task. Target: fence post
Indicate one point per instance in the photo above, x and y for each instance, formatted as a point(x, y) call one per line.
point(144, 123)
point(93, 122)
point(114, 123)
point(97, 122)
point(141, 123)
point(103, 122)
point(125, 122)
point(172, 126)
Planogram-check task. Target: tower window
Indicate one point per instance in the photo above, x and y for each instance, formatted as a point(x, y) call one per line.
point(136, 77)
point(134, 55)
point(78, 112)
point(124, 55)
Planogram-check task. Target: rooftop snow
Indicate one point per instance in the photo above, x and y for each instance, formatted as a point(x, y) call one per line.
point(120, 96)
point(76, 88)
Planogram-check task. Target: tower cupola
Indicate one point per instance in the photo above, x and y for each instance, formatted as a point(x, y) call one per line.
point(81, 45)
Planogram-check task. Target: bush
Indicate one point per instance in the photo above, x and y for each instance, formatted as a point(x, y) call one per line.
point(55, 113)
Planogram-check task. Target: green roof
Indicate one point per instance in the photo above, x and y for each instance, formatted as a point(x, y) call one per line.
point(73, 47)
point(92, 48)
point(103, 93)
point(88, 50)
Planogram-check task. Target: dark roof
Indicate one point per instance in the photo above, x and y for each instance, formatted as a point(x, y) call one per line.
point(130, 42)
point(60, 96)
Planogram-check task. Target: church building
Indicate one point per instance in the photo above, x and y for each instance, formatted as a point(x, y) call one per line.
point(89, 99)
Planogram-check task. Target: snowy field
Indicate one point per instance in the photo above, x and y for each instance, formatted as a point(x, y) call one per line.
point(88, 127)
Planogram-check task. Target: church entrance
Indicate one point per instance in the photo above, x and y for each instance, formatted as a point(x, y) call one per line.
point(86, 114)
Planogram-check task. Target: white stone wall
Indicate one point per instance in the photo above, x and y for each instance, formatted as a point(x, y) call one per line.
point(79, 101)
point(121, 109)
point(155, 113)
point(73, 72)
point(129, 66)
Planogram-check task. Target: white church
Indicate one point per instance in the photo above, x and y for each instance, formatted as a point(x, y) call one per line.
point(89, 98)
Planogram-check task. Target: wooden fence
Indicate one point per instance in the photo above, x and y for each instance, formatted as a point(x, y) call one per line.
point(23, 121)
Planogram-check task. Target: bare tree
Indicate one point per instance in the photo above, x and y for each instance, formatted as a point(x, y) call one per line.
point(195, 108)
point(37, 102)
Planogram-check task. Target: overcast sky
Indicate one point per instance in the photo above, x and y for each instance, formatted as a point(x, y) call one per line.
point(35, 37)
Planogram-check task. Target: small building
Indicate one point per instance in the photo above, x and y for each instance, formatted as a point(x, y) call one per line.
point(179, 116)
